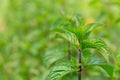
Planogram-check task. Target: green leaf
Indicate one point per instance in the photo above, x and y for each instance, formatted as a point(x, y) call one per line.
point(97, 44)
point(93, 60)
point(51, 55)
point(78, 31)
point(77, 21)
point(96, 61)
point(89, 28)
point(69, 36)
point(61, 70)
point(108, 68)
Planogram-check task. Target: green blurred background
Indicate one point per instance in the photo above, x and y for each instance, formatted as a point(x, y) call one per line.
point(25, 33)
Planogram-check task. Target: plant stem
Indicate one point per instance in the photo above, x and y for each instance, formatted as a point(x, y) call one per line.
point(80, 67)
point(69, 52)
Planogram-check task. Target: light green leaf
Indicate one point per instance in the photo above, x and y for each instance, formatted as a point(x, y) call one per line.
point(96, 61)
point(69, 36)
point(93, 60)
point(97, 44)
point(53, 54)
point(108, 68)
point(89, 28)
point(61, 70)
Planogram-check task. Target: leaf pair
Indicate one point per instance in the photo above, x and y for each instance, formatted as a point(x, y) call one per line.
point(97, 44)
point(83, 32)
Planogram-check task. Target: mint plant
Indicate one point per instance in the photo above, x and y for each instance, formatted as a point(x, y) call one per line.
point(91, 52)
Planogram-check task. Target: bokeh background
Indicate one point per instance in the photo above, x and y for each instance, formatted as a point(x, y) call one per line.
point(26, 39)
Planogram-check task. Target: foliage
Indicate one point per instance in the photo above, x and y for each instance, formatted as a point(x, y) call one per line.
point(38, 38)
